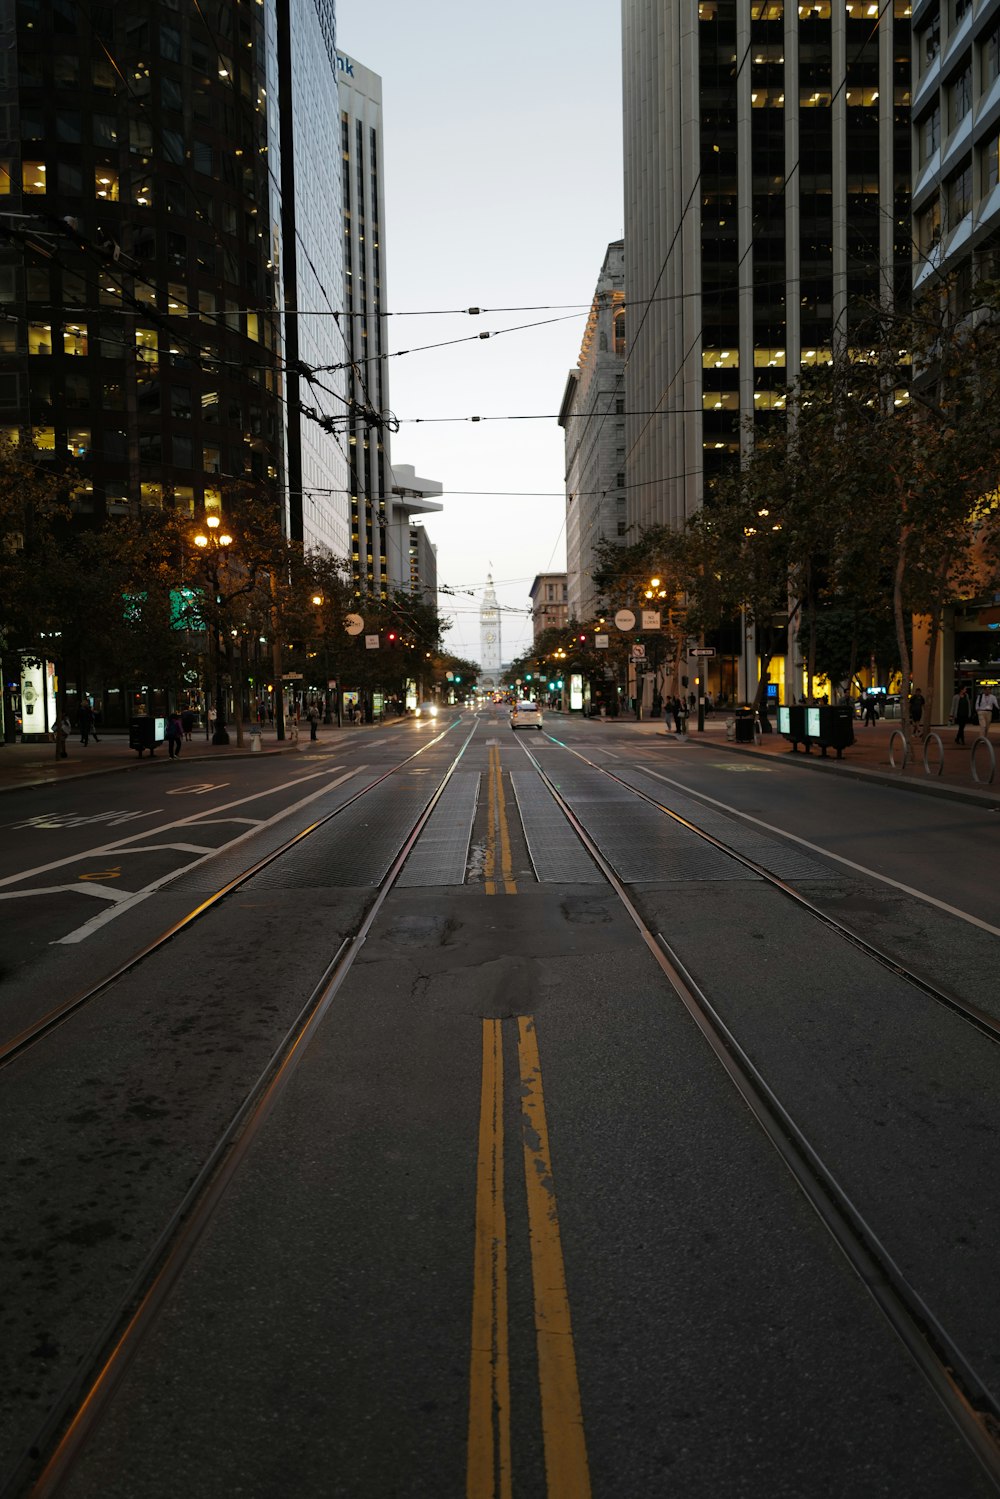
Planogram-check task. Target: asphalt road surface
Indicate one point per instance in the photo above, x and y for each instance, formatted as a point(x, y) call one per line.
point(495, 1220)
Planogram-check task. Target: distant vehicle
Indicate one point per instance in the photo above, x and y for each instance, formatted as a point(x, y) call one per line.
point(526, 715)
point(427, 710)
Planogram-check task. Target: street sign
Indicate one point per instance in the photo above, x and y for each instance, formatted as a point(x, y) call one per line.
point(650, 619)
point(371, 642)
point(702, 650)
point(625, 619)
point(291, 676)
point(353, 624)
point(601, 642)
point(638, 653)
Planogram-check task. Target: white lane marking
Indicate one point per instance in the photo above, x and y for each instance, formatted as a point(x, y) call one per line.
point(251, 822)
point(96, 922)
point(182, 848)
point(85, 887)
point(198, 788)
point(816, 848)
point(181, 822)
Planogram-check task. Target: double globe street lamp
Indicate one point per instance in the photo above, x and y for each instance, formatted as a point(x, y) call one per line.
point(216, 546)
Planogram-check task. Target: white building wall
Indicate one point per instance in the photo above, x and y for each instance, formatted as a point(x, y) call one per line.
point(594, 423)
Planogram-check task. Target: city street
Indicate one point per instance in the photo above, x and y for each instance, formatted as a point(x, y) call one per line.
point(408, 1167)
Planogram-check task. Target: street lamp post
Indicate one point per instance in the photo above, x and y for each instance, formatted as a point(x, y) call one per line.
point(216, 545)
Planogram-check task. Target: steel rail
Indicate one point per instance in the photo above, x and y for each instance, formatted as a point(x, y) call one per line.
point(76, 1412)
point(987, 1024)
point(965, 1397)
point(58, 1016)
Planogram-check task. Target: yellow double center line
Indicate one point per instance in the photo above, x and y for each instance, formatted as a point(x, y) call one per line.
point(489, 1457)
point(497, 832)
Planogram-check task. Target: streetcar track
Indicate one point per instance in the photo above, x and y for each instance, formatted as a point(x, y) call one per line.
point(75, 1412)
point(987, 1024)
point(963, 1394)
point(46, 1024)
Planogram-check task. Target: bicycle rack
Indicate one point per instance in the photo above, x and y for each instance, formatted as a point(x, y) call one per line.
point(940, 750)
point(898, 734)
point(992, 760)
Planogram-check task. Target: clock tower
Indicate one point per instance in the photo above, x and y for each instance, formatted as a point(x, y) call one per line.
point(489, 639)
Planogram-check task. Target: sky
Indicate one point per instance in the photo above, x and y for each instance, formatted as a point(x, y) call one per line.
point(503, 189)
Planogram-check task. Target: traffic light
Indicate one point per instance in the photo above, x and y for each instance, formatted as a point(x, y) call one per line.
point(527, 676)
point(391, 637)
point(583, 639)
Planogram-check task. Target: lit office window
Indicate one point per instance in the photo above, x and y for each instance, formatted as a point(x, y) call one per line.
point(78, 442)
point(106, 183)
point(75, 338)
point(33, 177)
point(39, 338)
point(147, 346)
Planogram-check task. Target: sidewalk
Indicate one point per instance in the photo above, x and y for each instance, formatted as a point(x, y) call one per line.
point(36, 764)
point(867, 758)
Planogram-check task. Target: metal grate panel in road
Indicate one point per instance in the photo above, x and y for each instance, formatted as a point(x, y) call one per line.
point(556, 852)
point(441, 854)
point(639, 843)
point(358, 847)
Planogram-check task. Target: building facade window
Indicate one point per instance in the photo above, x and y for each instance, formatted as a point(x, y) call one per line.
point(958, 195)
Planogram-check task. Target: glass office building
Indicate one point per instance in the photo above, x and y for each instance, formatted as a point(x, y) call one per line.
point(169, 199)
point(767, 178)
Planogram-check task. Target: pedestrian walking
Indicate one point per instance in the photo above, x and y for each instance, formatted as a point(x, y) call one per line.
point(961, 713)
point(869, 713)
point(63, 730)
point(917, 711)
point(174, 734)
point(87, 727)
point(187, 723)
point(986, 706)
point(313, 717)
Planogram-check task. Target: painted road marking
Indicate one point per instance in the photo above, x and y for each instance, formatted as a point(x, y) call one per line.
point(80, 819)
point(120, 845)
point(103, 892)
point(198, 788)
point(488, 1470)
point(497, 832)
point(136, 897)
point(104, 874)
point(742, 770)
point(566, 1469)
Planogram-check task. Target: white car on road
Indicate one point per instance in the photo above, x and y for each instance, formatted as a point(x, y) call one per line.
point(526, 716)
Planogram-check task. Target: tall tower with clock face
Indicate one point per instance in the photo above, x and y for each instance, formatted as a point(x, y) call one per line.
point(489, 638)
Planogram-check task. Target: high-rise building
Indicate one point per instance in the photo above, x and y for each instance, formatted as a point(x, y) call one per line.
point(412, 557)
point(956, 238)
point(365, 324)
point(767, 156)
point(168, 179)
point(593, 417)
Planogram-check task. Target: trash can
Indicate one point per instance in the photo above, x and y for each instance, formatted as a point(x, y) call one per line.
point(743, 725)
